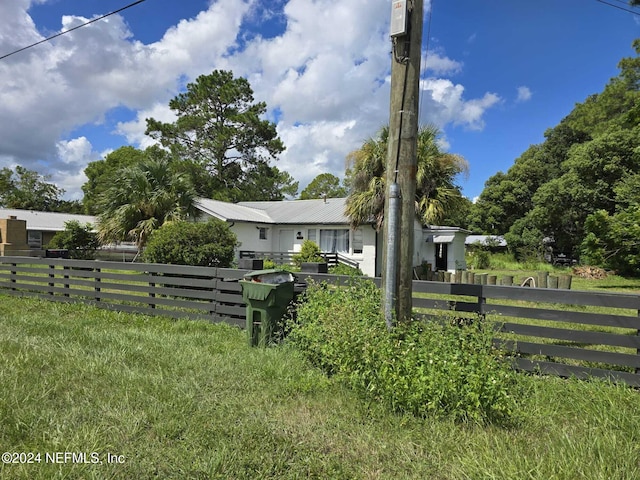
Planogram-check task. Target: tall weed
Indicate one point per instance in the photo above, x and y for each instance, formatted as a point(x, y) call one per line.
point(424, 368)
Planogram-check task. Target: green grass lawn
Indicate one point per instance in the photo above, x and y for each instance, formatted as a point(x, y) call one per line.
point(190, 400)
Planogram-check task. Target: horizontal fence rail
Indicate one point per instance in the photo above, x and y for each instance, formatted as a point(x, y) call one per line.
point(175, 291)
point(556, 332)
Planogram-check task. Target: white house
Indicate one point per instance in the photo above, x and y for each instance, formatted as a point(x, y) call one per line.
point(282, 226)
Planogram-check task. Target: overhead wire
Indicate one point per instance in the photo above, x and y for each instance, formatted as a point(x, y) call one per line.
point(619, 7)
point(72, 29)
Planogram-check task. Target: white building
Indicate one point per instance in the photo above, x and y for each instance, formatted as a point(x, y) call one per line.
point(282, 226)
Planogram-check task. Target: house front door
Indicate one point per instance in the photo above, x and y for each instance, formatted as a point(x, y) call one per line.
point(441, 256)
point(285, 241)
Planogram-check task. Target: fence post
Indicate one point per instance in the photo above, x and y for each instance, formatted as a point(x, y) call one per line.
point(97, 280)
point(214, 295)
point(542, 279)
point(564, 282)
point(152, 293)
point(13, 275)
point(66, 277)
point(52, 276)
point(482, 300)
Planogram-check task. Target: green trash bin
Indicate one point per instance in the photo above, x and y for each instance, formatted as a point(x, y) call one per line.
point(267, 294)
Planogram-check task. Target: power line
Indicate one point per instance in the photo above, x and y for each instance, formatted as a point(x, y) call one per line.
point(71, 29)
point(618, 7)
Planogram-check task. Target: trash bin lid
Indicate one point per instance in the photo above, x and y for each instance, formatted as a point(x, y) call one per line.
point(272, 275)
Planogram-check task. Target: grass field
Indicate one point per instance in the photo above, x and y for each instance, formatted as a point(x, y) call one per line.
point(190, 400)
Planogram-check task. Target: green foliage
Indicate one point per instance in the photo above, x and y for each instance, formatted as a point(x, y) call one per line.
point(323, 185)
point(437, 195)
point(269, 264)
point(588, 162)
point(480, 259)
point(309, 252)
point(613, 241)
point(80, 240)
point(342, 269)
point(209, 244)
point(219, 128)
point(423, 368)
point(142, 198)
point(102, 174)
point(184, 399)
point(27, 190)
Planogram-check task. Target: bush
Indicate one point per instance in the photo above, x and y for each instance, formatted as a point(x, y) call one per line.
point(80, 240)
point(423, 368)
point(269, 264)
point(209, 244)
point(342, 269)
point(481, 259)
point(309, 252)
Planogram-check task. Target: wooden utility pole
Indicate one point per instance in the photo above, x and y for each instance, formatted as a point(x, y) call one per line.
point(397, 269)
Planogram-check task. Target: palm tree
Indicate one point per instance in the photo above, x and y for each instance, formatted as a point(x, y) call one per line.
point(142, 198)
point(436, 192)
point(365, 175)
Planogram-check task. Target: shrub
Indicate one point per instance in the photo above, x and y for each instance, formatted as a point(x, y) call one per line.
point(80, 240)
point(424, 368)
point(342, 269)
point(481, 259)
point(209, 244)
point(309, 252)
point(269, 264)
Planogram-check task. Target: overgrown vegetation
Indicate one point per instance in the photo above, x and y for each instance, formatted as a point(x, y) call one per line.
point(205, 244)
point(438, 368)
point(81, 240)
point(187, 400)
point(342, 269)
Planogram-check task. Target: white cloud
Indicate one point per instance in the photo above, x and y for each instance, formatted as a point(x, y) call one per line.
point(440, 65)
point(524, 94)
point(444, 104)
point(326, 75)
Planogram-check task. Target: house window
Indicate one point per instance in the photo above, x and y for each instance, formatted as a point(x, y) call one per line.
point(34, 239)
point(357, 241)
point(334, 241)
point(262, 235)
point(311, 235)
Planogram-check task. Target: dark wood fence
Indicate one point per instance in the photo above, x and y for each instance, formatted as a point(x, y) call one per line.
point(556, 332)
point(176, 291)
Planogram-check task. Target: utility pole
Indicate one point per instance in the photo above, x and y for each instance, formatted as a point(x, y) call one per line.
point(397, 268)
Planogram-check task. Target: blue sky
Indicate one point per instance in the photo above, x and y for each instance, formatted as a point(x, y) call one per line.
point(498, 74)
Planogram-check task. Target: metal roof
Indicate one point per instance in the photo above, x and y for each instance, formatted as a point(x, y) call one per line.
point(320, 211)
point(316, 211)
point(46, 221)
point(232, 211)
